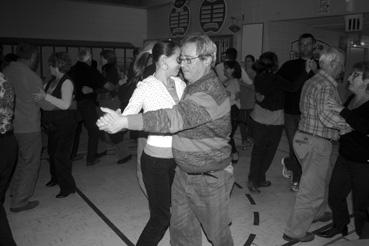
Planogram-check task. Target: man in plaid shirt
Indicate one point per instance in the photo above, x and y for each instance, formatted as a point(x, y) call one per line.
point(312, 143)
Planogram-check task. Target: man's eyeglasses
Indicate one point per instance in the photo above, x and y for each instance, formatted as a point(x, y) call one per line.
point(187, 60)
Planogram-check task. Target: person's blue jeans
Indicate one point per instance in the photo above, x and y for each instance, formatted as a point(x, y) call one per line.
point(201, 201)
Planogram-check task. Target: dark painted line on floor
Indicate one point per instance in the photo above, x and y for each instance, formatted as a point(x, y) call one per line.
point(238, 185)
point(290, 243)
point(251, 200)
point(339, 238)
point(256, 218)
point(250, 240)
point(105, 219)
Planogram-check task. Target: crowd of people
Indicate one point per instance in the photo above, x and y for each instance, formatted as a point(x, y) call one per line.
point(187, 109)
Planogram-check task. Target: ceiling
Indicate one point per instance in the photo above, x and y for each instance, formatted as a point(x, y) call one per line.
point(131, 3)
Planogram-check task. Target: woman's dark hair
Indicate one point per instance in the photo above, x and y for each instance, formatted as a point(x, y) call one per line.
point(139, 65)
point(166, 48)
point(8, 58)
point(60, 60)
point(160, 48)
point(109, 56)
point(251, 57)
point(267, 63)
point(363, 67)
point(236, 68)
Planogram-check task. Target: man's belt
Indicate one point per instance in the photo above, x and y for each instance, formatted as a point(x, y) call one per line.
point(314, 135)
point(208, 173)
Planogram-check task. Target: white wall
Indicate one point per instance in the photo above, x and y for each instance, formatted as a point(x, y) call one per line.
point(63, 19)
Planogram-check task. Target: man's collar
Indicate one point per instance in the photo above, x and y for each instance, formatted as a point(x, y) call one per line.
point(328, 77)
point(206, 77)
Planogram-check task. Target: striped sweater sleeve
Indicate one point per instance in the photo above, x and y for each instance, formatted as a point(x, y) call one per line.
point(197, 109)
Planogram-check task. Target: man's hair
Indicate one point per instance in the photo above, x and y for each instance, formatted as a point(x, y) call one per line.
point(330, 55)
point(26, 51)
point(267, 63)
point(307, 35)
point(84, 55)
point(231, 54)
point(205, 47)
point(109, 56)
point(237, 73)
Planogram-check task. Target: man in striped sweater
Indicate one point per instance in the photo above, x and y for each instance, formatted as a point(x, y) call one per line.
point(201, 126)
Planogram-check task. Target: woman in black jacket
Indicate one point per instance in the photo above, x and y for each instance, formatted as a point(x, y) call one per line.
point(267, 117)
point(351, 171)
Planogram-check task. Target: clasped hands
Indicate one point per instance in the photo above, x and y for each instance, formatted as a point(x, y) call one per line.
point(112, 121)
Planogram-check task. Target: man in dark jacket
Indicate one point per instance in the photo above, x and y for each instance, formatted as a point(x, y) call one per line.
point(87, 80)
point(292, 71)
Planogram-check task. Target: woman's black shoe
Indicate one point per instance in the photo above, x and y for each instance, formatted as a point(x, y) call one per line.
point(235, 157)
point(265, 183)
point(64, 194)
point(331, 232)
point(51, 183)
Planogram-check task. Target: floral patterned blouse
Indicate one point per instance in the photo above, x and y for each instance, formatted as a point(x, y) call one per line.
point(6, 105)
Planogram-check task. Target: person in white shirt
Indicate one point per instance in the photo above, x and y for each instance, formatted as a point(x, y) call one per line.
point(232, 71)
point(158, 91)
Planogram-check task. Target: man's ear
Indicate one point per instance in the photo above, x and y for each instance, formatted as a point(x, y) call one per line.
point(208, 60)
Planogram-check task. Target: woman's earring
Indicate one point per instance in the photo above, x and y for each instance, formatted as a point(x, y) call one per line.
point(165, 66)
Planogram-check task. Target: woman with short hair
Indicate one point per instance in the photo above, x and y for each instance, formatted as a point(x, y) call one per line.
point(351, 171)
point(60, 122)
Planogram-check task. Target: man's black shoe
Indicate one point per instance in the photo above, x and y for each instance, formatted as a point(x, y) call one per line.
point(101, 154)
point(125, 159)
point(331, 232)
point(307, 238)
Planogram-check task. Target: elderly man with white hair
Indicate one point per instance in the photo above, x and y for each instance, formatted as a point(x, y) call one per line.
point(318, 128)
point(201, 125)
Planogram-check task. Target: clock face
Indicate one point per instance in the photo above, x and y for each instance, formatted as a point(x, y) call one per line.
point(179, 21)
point(212, 15)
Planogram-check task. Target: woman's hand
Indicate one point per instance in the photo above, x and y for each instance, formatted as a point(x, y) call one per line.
point(112, 121)
point(333, 105)
point(39, 96)
point(87, 90)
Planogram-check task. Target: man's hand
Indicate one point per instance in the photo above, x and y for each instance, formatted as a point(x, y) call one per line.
point(87, 90)
point(112, 121)
point(39, 96)
point(311, 65)
point(345, 130)
point(259, 97)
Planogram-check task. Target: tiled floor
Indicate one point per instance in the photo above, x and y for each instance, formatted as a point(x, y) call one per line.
point(114, 191)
